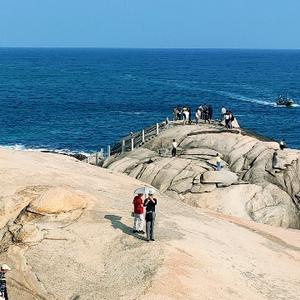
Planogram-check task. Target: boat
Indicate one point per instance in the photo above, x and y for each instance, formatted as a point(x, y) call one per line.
point(284, 101)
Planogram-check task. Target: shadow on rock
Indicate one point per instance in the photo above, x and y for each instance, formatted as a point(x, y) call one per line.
point(117, 224)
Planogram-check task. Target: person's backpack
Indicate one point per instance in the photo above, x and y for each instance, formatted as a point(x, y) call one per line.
point(232, 118)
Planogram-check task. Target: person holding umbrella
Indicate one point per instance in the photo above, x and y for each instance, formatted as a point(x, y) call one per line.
point(150, 204)
point(138, 211)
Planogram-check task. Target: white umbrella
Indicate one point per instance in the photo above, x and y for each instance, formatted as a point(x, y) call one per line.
point(142, 190)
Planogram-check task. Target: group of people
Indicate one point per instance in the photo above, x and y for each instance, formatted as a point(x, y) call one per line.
point(144, 210)
point(203, 112)
point(183, 113)
point(227, 116)
point(3, 289)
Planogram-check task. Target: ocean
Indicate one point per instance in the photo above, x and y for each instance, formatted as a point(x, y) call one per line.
point(81, 100)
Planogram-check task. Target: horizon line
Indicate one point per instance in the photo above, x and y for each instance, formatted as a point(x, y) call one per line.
point(143, 48)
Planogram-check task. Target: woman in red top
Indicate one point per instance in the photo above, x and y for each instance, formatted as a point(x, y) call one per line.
point(138, 209)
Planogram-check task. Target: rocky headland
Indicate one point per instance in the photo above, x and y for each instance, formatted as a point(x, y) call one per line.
point(65, 226)
point(253, 184)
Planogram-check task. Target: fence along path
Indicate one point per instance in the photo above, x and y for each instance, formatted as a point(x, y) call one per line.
point(129, 143)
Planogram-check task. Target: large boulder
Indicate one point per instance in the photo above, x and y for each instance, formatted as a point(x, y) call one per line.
point(223, 177)
point(58, 200)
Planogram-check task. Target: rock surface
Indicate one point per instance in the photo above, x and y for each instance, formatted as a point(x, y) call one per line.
point(249, 184)
point(57, 200)
point(87, 250)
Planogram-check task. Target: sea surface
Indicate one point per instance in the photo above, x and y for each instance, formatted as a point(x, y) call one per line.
point(81, 100)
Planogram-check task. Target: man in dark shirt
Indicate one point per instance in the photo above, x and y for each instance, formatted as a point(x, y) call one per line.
point(150, 204)
point(3, 289)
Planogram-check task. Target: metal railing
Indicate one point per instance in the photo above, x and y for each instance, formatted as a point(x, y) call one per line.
point(129, 143)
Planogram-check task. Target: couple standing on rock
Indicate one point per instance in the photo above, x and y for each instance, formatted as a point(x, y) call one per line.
point(138, 206)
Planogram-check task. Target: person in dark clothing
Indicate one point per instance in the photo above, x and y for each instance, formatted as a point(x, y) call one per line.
point(190, 115)
point(150, 204)
point(227, 120)
point(206, 114)
point(282, 144)
point(210, 113)
point(3, 288)
point(174, 148)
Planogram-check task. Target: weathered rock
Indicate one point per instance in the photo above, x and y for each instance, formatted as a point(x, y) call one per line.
point(223, 177)
point(164, 177)
point(182, 186)
point(96, 255)
point(58, 200)
point(28, 234)
point(200, 152)
point(203, 188)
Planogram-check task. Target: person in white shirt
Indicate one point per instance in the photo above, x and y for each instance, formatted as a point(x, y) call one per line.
point(223, 112)
point(218, 159)
point(198, 116)
point(187, 117)
point(174, 147)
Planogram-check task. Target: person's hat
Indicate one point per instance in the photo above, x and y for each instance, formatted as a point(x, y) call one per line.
point(151, 192)
point(5, 267)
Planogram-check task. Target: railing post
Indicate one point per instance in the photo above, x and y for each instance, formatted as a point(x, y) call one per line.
point(123, 146)
point(132, 143)
point(157, 128)
point(108, 151)
point(143, 136)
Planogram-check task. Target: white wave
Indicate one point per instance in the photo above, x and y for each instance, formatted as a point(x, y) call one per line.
point(21, 147)
point(128, 112)
point(245, 99)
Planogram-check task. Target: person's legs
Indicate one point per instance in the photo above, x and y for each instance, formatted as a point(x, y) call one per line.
point(173, 152)
point(140, 223)
point(135, 222)
point(148, 228)
point(152, 230)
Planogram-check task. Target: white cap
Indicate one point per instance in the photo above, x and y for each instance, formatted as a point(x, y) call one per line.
point(151, 192)
point(5, 267)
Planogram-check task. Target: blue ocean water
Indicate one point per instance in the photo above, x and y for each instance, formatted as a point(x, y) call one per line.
point(83, 99)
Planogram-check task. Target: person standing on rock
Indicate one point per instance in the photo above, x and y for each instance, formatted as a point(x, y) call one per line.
point(223, 112)
point(227, 120)
point(282, 144)
point(3, 288)
point(150, 204)
point(138, 210)
point(218, 159)
point(210, 113)
point(174, 148)
point(198, 116)
point(189, 115)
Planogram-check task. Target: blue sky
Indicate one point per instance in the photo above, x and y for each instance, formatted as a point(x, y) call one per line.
point(150, 23)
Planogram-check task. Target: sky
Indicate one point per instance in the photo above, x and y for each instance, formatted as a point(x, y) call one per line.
point(151, 23)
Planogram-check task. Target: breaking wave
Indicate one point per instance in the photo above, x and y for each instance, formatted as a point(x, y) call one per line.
point(21, 147)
